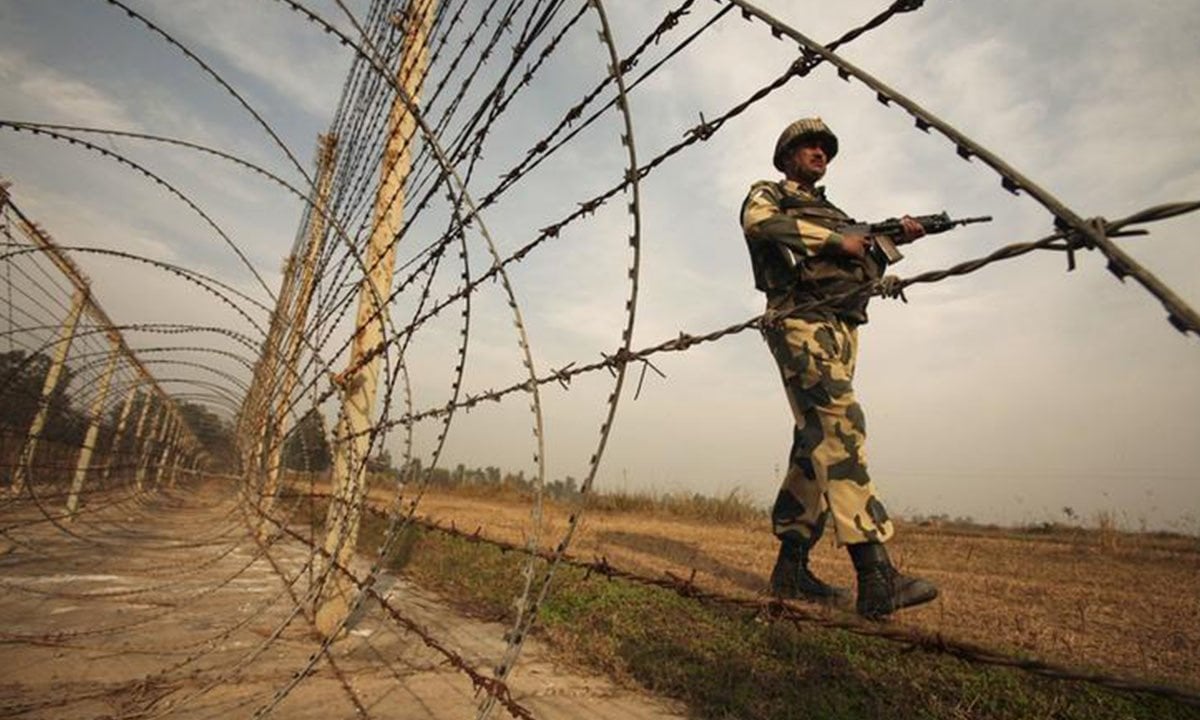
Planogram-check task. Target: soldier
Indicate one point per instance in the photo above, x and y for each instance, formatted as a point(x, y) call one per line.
point(813, 276)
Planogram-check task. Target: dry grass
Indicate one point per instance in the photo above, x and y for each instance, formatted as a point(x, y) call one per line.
point(1119, 602)
point(1100, 598)
point(734, 507)
point(1107, 531)
point(726, 663)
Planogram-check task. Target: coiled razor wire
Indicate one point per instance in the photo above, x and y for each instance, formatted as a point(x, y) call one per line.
point(397, 523)
point(449, 133)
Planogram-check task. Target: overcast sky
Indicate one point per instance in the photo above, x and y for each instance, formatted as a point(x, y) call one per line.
point(1004, 395)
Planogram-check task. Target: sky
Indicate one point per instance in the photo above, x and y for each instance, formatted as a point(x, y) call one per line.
point(1006, 395)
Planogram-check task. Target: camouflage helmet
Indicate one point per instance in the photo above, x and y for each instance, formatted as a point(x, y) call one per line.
point(804, 127)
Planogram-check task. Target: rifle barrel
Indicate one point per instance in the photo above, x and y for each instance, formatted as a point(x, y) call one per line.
point(968, 221)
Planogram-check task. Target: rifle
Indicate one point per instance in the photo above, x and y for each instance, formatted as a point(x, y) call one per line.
point(886, 233)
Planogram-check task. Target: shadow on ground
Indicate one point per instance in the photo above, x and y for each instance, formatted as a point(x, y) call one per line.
point(683, 553)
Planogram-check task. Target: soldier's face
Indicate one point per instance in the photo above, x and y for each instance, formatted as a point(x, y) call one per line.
point(808, 161)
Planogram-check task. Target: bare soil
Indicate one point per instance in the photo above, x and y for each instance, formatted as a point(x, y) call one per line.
point(165, 606)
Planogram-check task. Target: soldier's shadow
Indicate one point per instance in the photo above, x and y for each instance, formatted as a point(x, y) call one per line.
point(686, 554)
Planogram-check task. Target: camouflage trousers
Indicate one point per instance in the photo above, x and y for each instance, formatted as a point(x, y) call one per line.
point(827, 468)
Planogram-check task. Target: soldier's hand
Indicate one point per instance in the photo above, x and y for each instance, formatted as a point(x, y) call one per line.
point(912, 228)
point(855, 245)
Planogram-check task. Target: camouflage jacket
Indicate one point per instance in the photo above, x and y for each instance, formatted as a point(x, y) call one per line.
point(796, 254)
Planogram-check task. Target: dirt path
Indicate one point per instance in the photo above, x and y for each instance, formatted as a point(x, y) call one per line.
point(1132, 608)
point(165, 607)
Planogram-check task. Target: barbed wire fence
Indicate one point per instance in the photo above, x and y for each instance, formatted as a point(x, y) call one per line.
point(428, 100)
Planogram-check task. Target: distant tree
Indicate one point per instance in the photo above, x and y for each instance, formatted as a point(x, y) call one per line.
point(21, 379)
point(380, 466)
point(381, 463)
point(412, 470)
point(307, 447)
point(215, 435)
point(563, 489)
point(440, 477)
point(517, 481)
point(20, 387)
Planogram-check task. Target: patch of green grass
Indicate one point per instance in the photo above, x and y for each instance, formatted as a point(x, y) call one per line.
point(725, 663)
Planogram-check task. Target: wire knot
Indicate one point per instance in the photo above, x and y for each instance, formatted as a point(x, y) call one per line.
point(805, 64)
point(703, 131)
point(1079, 237)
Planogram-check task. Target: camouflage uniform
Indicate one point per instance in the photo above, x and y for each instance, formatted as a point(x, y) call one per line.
point(790, 234)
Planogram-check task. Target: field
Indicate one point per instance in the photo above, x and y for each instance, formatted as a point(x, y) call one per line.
point(1102, 601)
point(93, 633)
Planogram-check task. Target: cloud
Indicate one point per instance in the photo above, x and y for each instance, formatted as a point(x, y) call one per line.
point(45, 94)
point(289, 56)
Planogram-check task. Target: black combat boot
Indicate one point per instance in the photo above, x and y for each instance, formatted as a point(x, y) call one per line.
point(882, 590)
point(792, 580)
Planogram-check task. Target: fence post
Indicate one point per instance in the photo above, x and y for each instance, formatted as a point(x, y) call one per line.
point(149, 446)
point(114, 450)
point(139, 432)
point(327, 145)
point(25, 459)
point(173, 473)
point(170, 437)
point(360, 379)
point(93, 432)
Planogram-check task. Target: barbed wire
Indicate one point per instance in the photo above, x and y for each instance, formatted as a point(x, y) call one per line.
point(777, 610)
point(483, 60)
point(686, 341)
point(461, 199)
point(493, 687)
point(1087, 234)
point(150, 175)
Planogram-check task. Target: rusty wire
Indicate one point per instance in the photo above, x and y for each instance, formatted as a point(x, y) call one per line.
point(586, 209)
point(459, 200)
point(686, 341)
point(361, 121)
point(800, 613)
point(1083, 234)
point(494, 687)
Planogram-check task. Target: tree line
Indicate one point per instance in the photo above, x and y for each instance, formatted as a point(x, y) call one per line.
point(307, 449)
point(22, 377)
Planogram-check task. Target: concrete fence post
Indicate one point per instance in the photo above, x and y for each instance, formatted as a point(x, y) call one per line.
point(327, 148)
point(149, 447)
point(25, 459)
point(114, 450)
point(361, 378)
point(93, 432)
